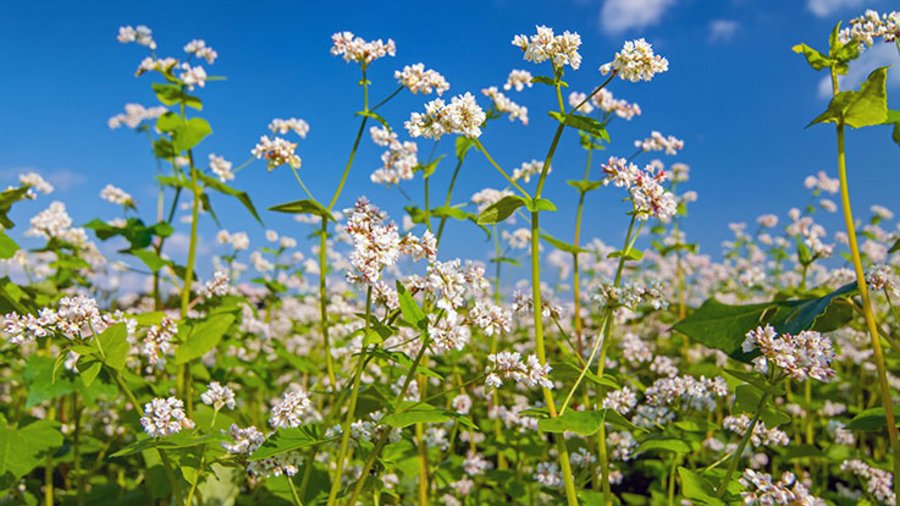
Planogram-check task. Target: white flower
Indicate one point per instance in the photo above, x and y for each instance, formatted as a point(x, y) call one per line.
point(504, 105)
point(657, 142)
point(879, 483)
point(245, 441)
point(35, 181)
point(217, 286)
point(544, 45)
point(164, 417)
point(548, 475)
point(508, 365)
point(356, 49)
point(296, 125)
point(218, 396)
point(292, 410)
point(649, 196)
point(636, 62)
point(418, 80)
point(141, 35)
point(199, 49)
point(221, 168)
point(525, 171)
point(135, 114)
point(788, 491)
point(192, 76)
point(461, 116)
point(518, 79)
point(277, 152)
point(116, 195)
point(801, 356)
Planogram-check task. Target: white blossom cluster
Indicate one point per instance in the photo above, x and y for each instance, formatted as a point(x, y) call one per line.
point(164, 417)
point(291, 410)
point(696, 393)
point(400, 160)
point(192, 76)
point(277, 152)
point(879, 483)
point(378, 245)
point(650, 198)
point(621, 401)
point(518, 79)
point(881, 278)
point(504, 105)
point(461, 116)
point(507, 365)
point(150, 64)
point(492, 319)
point(218, 396)
point(801, 356)
point(157, 342)
point(140, 35)
point(116, 195)
point(487, 197)
point(762, 435)
point(244, 441)
point(636, 62)
point(239, 241)
point(448, 333)
point(217, 286)
point(870, 26)
point(35, 182)
point(417, 79)
point(561, 50)
point(788, 491)
point(606, 102)
point(356, 49)
point(528, 170)
point(548, 475)
point(198, 48)
point(135, 114)
point(75, 317)
point(282, 126)
point(221, 168)
point(659, 142)
point(630, 295)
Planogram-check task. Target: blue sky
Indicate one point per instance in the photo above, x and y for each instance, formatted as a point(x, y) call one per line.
point(735, 93)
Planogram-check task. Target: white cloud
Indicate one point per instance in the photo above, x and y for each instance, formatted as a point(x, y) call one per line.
point(619, 16)
point(825, 8)
point(178, 244)
point(722, 30)
point(879, 55)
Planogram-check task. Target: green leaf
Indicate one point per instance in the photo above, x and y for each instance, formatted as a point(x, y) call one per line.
point(615, 419)
point(303, 207)
point(756, 379)
point(560, 245)
point(411, 412)
point(8, 247)
point(24, 448)
point(41, 382)
point(893, 118)
point(870, 420)
point(500, 210)
point(664, 444)
point(153, 261)
point(463, 145)
point(896, 247)
point(202, 337)
point(632, 254)
point(583, 423)
point(549, 81)
point(223, 188)
point(697, 488)
point(584, 123)
point(171, 94)
point(539, 205)
point(816, 60)
point(90, 372)
point(376, 117)
point(189, 134)
point(177, 441)
point(168, 122)
point(724, 327)
point(865, 107)
point(584, 186)
point(452, 212)
point(114, 342)
point(410, 309)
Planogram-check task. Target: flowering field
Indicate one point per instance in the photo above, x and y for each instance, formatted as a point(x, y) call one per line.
point(369, 368)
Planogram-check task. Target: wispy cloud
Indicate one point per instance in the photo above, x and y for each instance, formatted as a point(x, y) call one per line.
point(825, 8)
point(722, 30)
point(879, 55)
point(620, 16)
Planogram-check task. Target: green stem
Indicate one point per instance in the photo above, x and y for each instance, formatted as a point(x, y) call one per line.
point(739, 451)
point(170, 474)
point(294, 494)
point(511, 181)
point(323, 303)
point(871, 322)
point(447, 200)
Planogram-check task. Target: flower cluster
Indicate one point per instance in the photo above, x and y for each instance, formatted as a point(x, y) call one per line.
point(527, 170)
point(507, 365)
point(878, 482)
point(164, 417)
point(659, 142)
point(562, 49)
point(636, 62)
point(461, 116)
point(199, 49)
point(218, 396)
point(157, 343)
point(649, 196)
point(518, 79)
point(277, 151)
point(606, 102)
point(291, 410)
point(801, 356)
point(503, 104)
point(135, 114)
point(221, 168)
point(762, 435)
point(35, 182)
point(398, 162)
point(787, 491)
point(116, 195)
point(419, 80)
point(870, 26)
point(282, 126)
point(353, 48)
point(141, 35)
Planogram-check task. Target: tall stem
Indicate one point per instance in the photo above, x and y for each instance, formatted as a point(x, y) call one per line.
point(188, 279)
point(739, 451)
point(447, 200)
point(871, 323)
point(323, 302)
